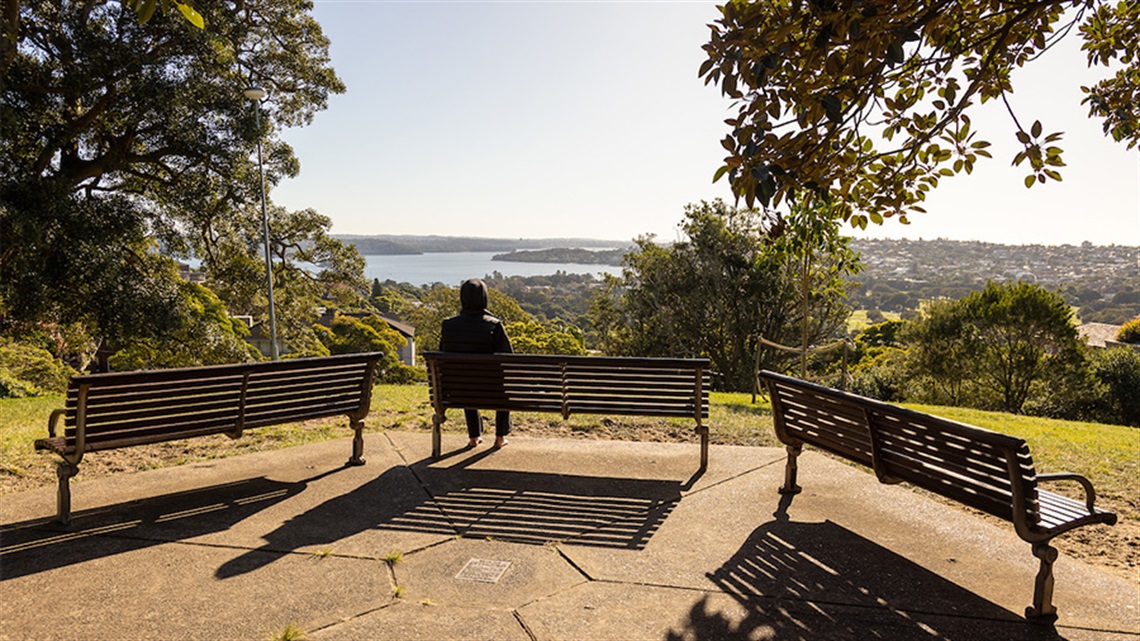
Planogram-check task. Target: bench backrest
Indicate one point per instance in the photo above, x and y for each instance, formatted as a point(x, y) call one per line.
point(121, 409)
point(986, 470)
point(570, 384)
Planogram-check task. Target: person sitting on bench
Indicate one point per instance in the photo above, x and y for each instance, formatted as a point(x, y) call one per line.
point(476, 331)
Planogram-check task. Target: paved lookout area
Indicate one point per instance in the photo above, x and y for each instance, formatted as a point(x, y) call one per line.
point(546, 539)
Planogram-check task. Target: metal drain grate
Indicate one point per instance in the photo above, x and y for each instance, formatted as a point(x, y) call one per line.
point(483, 570)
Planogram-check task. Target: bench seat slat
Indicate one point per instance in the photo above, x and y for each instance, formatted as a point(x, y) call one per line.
point(132, 413)
point(123, 440)
point(97, 399)
point(307, 379)
point(95, 430)
point(301, 396)
point(149, 439)
point(294, 415)
point(982, 494)
point(978, 463)
point(991, 502)
point(618, 391)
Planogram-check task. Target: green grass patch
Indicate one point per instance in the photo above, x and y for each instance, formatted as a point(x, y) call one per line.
point(22, 421)
point(1109, 455)
point(858, 320)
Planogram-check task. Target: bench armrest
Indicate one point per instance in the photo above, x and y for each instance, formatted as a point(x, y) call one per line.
point(54, 419)
point(1090, 493)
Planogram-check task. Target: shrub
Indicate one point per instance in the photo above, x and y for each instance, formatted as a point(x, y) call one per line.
point(1130, 331)
point(27, 370)
point(1119, 370)
point(883, 377)
point(12, 387)
point(401, 374)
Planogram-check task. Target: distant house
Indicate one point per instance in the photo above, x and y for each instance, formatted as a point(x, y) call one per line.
point(407, 353)
point(1100, 335)
point(259, 337)
point(192, 274)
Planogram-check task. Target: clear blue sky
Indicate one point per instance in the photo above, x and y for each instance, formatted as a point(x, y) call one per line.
point(587, 119)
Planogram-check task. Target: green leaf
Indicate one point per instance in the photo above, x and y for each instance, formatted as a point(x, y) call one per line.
point(1036, 130)
point(193, 16)
point(1029, 180)
point(147, 10)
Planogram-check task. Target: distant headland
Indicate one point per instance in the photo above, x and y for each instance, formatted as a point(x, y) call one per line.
point(396, 245)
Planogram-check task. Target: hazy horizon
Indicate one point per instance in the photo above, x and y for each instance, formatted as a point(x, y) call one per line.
point(624, 242)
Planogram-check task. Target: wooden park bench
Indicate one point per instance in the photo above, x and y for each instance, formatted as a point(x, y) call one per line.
point(125, 409)
point(985, 470)
point(567, 385)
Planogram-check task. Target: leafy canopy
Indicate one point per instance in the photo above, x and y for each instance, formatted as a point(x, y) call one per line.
point(992, 347)
point(867, 103)
point(722, 287)
point(124, 133)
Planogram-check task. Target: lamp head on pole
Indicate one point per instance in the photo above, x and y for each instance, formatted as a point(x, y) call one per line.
point(253, 92)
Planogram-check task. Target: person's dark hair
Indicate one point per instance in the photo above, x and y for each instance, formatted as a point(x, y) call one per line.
point(473, 296)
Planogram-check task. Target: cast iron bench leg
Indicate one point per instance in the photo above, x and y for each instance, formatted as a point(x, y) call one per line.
point(436, 436)
point(357, 443)
point(1042, 607)
point(63, 499)
point(790, 469)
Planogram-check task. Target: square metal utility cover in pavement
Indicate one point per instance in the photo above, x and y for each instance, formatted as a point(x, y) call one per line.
point(483, 570)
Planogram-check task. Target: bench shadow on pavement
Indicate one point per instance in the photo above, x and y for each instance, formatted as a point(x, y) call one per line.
point(518, 507)
point(38, 546)
point(531, 508)
point(805, 581)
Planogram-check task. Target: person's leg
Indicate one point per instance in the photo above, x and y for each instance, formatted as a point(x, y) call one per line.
point(502, 428)
point(474, 427)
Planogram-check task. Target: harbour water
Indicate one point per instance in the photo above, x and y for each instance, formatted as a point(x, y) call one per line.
point(453, 268)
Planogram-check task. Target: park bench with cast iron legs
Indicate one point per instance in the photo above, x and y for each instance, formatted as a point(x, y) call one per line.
point(124, 409)
point(986, 470)
point(567, 385)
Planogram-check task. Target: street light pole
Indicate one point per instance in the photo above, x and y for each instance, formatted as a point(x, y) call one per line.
point(255, 94)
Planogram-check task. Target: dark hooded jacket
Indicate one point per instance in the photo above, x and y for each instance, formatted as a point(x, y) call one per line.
point(474, 330)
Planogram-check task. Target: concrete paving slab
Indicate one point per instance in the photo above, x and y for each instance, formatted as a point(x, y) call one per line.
point(443, 575)
point(300, 500)
point(616, 611)
point(110, 587)
point(414, 622)
point(673, 463)
point(543, 490)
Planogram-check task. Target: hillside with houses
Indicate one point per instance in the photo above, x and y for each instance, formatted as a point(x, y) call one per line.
point(1102, 282)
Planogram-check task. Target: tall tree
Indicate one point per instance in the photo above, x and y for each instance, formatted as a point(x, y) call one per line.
point(990, 347)
point(114, 134)
point(943, 352)
point(821, 259)
point(1025, 334)
point(867, 103)
point(713, 294)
